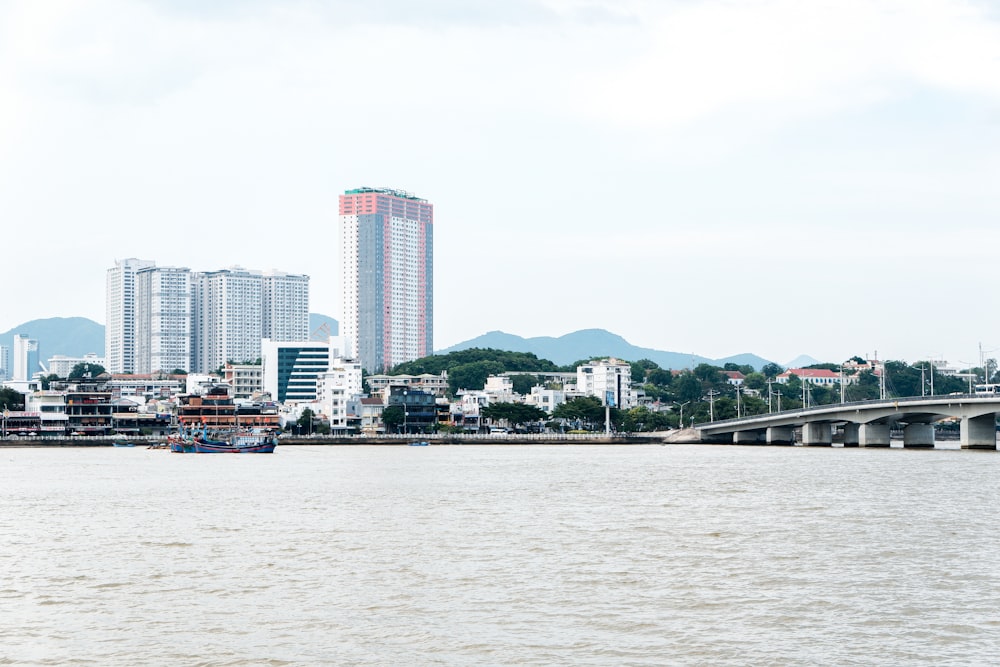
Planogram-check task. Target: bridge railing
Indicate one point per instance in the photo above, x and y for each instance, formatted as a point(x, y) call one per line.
point(826, 407)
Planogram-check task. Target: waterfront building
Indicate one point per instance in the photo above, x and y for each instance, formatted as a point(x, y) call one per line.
point(50, 405)
point(435, 384)
point(336, 390)
point(119, 328)
point(162, 319)
point(609, 380)
point(143, 388)
point(291, 369)
point(545, 399)
point(419, 408)
point(500, 389)
point(387, 260)
point(88, 409)
point(246, 380)
point(466, 411)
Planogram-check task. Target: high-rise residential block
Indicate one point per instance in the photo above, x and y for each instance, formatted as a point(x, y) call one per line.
point(163, 319)
point(119, 326)
point(388, 276)
point(167, 318)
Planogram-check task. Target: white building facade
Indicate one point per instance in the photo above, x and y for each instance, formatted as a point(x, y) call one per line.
point(608, 380)
point(119, 328)
point(163, 319)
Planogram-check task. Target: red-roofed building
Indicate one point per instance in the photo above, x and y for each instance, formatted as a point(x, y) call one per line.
point(734, 378)
point(817, 376)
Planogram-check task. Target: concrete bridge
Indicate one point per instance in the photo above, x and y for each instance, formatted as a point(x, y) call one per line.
point(866, 423)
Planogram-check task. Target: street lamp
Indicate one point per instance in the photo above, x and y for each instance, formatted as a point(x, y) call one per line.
point(404, 411)
point(680, 422)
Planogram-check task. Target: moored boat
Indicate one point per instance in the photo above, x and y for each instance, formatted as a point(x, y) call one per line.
point(241, 442)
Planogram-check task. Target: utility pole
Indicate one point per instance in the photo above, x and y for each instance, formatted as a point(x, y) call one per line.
point(923, 382)
point(711, 404)
point(769, 383)
point(842, 384)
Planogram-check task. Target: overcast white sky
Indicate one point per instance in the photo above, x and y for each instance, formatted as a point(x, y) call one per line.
point(716, 177)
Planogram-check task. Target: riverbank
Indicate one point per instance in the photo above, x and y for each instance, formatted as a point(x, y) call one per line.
point(397, 440)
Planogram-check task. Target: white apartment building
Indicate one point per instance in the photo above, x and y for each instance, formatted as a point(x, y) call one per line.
point(162, 319)
point(62, 365)
point(230, 325)
point(285, 306)
point(167, 318)
point(545, 399)
point(119, 328)
point(337, 388)
point(609, 380)
point(499, 388)
point(247, 380)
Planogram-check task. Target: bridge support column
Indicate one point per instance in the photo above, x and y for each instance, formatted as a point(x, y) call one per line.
point(852, 434)
point(918, 436)
point(781, 435)
point(979, 432)
point(815, 434)
point(874, 435)
point(746, 437)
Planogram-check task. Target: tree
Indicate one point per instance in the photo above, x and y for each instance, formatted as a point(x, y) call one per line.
point(305, 420)
point(11, 399)
point(586, 409)
point(47, 380)
point(393, 417)
point(178, 371)
point(515, 413)
point(771, 370)
point(86, 370)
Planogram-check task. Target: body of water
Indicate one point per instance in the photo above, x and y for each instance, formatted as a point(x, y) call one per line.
point(500, 555)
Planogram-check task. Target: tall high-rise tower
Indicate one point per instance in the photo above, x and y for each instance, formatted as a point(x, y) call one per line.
point(119, 330)
point(162, 319)
point(388, 263)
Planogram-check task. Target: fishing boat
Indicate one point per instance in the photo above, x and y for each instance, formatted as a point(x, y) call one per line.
point(245, 441)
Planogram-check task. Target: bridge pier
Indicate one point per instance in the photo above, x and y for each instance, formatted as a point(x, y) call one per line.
point(873, 435)
point(852, 434)
point(746, 437)
point(918, 436)
point(780, 435)
point(979, 432)
point(816, 434)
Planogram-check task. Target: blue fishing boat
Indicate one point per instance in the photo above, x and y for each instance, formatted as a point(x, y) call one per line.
point(255, 441)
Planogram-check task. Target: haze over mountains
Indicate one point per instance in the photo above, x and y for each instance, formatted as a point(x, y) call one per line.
point(77, 336)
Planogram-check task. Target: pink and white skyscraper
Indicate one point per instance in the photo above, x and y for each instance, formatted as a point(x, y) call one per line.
point(388, 262)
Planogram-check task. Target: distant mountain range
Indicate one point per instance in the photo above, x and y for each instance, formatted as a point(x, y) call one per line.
point(590, 343)
point(77, 336)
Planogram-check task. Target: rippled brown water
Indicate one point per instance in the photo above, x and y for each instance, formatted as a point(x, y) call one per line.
point(500, 556)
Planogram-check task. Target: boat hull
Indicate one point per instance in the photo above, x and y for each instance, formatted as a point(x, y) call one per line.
point(239, 445)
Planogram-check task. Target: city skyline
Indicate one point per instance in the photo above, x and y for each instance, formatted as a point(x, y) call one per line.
point(770, 176)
